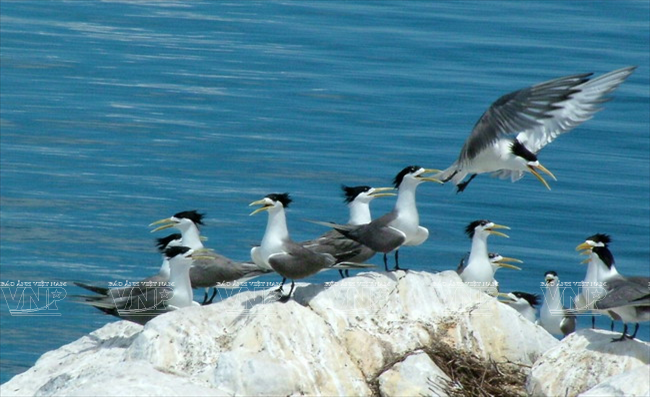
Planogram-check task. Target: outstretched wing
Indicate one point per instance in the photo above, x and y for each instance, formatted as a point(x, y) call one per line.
point(540, 113)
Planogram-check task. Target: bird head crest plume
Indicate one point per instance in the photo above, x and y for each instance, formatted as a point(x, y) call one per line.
point(351, 192)
point(192, 215)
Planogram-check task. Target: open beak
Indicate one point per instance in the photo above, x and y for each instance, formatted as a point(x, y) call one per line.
point(264, 206)
point(533, 170)
point(495, 226)
point(165, 224)
point(428, 178)
point(379, 192)
point(585, 249)
point(505, 298)
point(503, 262)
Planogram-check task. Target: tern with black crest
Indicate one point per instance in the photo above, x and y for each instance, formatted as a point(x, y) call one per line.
point(212, 269)
point(479, 269)
point(278, 252)
point(358, 200)
point(625, 299)
point(401, 226)
point(523, 302)
point(554, 317)
point(509, 135)
point(156, 299)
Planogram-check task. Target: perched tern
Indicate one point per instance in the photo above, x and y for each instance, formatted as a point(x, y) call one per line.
point(358, 200)
point(625, 299)
point(155, 299)
point(478, 270)
point(554, 317)
point(523, 302)
point(507, 138)
point(288, 258)
point(161, 277)
point(401, 226)
point(212, 269)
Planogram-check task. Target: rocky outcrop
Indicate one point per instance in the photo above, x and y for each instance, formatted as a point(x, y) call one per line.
point(589, 359)
point(365, 335)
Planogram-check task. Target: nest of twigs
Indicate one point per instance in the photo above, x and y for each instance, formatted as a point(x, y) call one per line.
point(471, 375)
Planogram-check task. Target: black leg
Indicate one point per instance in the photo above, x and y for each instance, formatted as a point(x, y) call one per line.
point(347, 273)
point(636, 328)
point(214, 293)
point(341, 273)
point(205, 297)
point(447, 179)
point(623, 335)
point(611, 327)
point(385, 262)
point(397, 261)
point(279, 290)
point(593, 322)
point(286, 298)
point(461, 186)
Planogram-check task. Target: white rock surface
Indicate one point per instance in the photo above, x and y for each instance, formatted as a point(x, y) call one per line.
point(411, 377)
point(628, 384)
point(358, 336)
point(583, 360)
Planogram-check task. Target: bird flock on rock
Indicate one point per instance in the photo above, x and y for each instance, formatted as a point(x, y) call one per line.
point(505, 142)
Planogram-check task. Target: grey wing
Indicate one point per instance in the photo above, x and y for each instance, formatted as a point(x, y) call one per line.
point(542, 112)
point(219, 269)
point(579, 105)
point(568, 323)
point(377, 235)
point(137, 307)
point(340, 247)
point(623, 292)
point(462, 264)
point(298, 262)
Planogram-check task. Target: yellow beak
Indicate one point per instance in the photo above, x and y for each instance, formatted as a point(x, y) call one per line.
point(495, 226)
point(428, 178)
point(379, 192)
point(584, 246)
point(505, 298)
point(167, 223)
point(259, 202)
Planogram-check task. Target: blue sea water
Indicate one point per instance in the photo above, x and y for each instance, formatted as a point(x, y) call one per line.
point(114, 114)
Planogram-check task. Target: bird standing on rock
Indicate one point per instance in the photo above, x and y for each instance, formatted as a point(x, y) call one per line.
point(212, 269)
point(478, 271)
point(625, 299)
point(401, 226)
point(288, 258)
point(358, 199)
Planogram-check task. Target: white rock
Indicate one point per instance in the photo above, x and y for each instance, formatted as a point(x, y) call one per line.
point(631, 383)
point(382, 316)
point(583, 360)
point(412, 377)
point(57, 369)
point(329, 340)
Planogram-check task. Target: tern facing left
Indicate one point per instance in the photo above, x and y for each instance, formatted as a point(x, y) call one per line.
point(151, 301)
point(288, 258)
point(507, 138)
point(625, 299)
point(523, 302)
